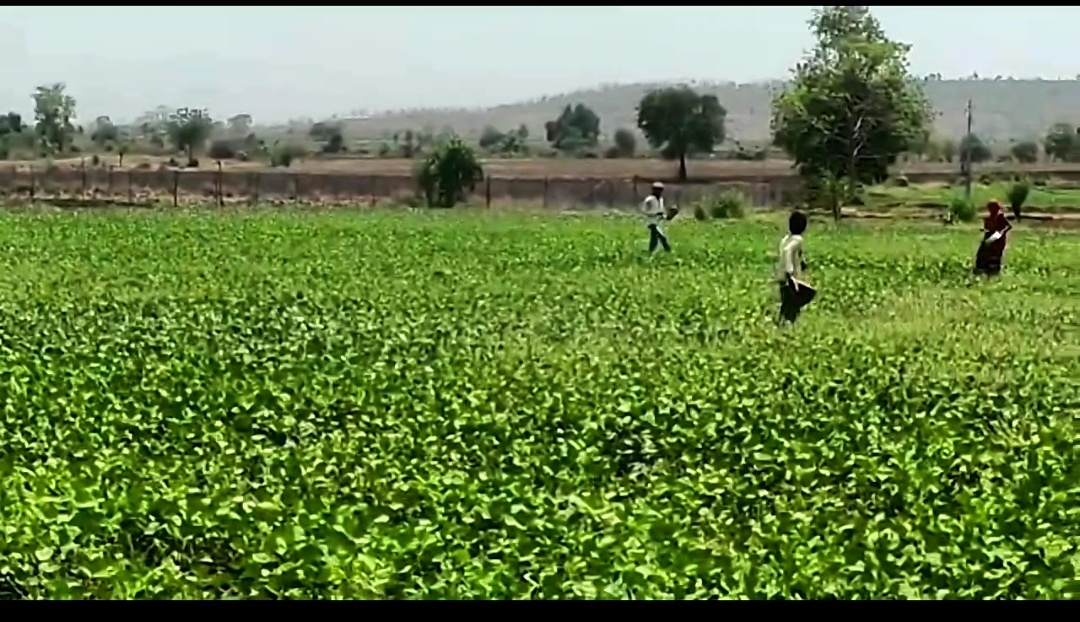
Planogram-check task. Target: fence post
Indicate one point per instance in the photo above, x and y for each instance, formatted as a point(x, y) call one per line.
point(33, 180)
point(176, 188)
point(546, 182)
point(487, 191)
point(217, 184)
point(82, 175)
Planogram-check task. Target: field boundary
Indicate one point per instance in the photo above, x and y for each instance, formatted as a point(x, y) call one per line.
point(224, 186)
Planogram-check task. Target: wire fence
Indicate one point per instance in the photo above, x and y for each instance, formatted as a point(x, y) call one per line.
point(140, 186)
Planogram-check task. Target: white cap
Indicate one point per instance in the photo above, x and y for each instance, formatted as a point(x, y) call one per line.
point(657, 184)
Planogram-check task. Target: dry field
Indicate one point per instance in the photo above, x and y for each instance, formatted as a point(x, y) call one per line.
point(539, 168)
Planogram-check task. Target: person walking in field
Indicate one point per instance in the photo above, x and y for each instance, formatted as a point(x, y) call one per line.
point(655, 215)
point(996, 227)
point(794, 293)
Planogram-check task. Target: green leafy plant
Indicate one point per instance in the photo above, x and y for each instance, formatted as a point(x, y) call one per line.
point(495, 404)
point(962, 210)
point(447, 175)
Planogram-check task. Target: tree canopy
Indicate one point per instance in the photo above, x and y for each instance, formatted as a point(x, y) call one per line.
point(680, 121)
point(575, 128)
point(852, 106)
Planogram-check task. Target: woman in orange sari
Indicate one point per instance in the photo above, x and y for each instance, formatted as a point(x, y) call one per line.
point(996, 229)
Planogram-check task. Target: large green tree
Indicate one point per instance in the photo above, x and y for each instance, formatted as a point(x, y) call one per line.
point(54, 111)
point(679, 122)
point(852, 106)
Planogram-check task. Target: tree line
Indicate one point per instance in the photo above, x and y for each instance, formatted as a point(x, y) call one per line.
point(850, 110)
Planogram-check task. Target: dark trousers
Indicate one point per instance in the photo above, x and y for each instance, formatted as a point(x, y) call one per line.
point(792, 301)
point(655, 237)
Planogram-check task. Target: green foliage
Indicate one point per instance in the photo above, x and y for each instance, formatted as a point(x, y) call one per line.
point(961, 209)
point(576, 127)
point(1018, 194)
point(188, 129)
point(852, 106)
point(54, 110)
point(283, 154)
point(1062, 143)
point(329, 135)
point(509, 143)
point(222, 149)
point(393, 405)
point(972, 149)
point(726, 204)
point(625, 143)
point(1025, 152)
point(680, 122)
point(104, 132)
point(446, 177)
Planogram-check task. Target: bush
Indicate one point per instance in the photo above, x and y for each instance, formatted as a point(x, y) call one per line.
point(446, 177)
point(700, 213)
point(727, 204)
point(901, 181)
point(1017, 195)
point(284, 155)
point(961, 209)
point(221, 150)
point(625, 143)
point(1026, 152)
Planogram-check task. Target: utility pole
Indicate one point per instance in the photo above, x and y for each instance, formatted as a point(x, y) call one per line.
point(965, 156)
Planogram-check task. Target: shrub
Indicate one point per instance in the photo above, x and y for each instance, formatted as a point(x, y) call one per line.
point(625, 143)
point(447, 175)
point(283, 155)
point(961, 209)
point(1017, 195)
point(700, 213)
point(901, 181)
point(221, 150)
point(727, 204)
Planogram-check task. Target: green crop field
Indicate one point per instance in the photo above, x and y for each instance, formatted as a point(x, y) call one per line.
point(466, 405)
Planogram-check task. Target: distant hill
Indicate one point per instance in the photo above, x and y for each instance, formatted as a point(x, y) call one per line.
point(1005, 109)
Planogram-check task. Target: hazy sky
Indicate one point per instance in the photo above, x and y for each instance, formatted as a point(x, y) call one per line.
point(282, 62)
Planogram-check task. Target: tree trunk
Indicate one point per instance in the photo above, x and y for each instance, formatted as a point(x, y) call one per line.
point(682, 167)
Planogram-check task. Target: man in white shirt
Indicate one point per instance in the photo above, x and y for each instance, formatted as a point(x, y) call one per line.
point(794, 293)
point(653, 210)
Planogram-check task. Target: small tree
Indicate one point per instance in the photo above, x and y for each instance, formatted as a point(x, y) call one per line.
point(1026, 152)
point(53, 111)
point(104, 132)
point(625, 143)
point(681, 122)
point(330, 135)
point(1061, 142)
point(240, 125)
point(188, 129)
point(973, 149)
point(447, 175)
point(575, 128)
point(852, 107)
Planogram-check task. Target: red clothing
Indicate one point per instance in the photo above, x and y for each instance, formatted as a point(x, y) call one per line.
point(997, 223)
